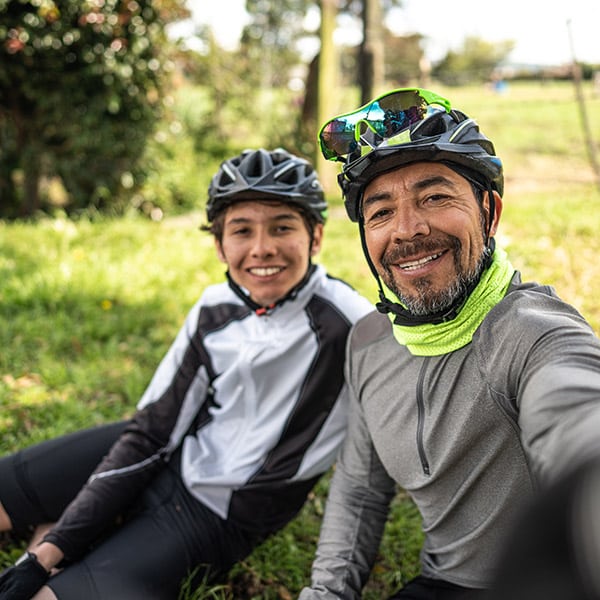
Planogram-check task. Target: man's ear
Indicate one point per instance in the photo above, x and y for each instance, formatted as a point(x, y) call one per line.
point(220, 253)
point(317, 239)
point(497, 211)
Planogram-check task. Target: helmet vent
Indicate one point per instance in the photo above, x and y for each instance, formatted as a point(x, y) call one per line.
point(276, 175)
point(227, 176)
point(253, 166)
point(434, 125)
point(468, 123)
point(289, 174)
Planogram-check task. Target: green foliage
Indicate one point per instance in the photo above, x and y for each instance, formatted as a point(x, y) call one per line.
point(270, 38)
point(181, 157)
point(186, 150)
point(80, 90)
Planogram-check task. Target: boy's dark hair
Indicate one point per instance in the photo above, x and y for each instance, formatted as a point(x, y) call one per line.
point(266, 175)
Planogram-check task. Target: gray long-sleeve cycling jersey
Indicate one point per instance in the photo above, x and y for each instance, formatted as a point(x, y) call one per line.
point(469, 435)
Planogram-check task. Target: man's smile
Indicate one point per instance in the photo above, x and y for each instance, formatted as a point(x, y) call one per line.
point(416, 264)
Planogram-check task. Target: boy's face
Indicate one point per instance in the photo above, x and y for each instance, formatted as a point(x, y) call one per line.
point(267, 248)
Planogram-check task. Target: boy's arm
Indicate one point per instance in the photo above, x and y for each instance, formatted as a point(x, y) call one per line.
point(118, 480)
point(173, 398)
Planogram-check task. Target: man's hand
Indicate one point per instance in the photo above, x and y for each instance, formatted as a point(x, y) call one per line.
point(24, 579)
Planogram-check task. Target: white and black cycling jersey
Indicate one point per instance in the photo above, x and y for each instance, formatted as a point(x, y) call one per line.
point(254, 402)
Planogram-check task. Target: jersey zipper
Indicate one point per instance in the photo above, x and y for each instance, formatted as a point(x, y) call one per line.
point(421, 420)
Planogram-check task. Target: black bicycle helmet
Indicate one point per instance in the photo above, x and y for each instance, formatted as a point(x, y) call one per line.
point(448, 137)
point(266, 175)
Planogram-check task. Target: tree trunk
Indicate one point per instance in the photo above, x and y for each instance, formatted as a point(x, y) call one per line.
point(371, 55)
point(327, 78)
point(307, 125)
point(29, 161)
point(8, 195)
point(31, 181)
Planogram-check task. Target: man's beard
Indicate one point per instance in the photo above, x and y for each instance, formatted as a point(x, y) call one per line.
point(425, 301)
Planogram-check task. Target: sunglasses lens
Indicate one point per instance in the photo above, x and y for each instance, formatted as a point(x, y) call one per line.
point(337, 138)
point(385, 116)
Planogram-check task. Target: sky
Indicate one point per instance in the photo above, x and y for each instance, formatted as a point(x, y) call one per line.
point(545, 31)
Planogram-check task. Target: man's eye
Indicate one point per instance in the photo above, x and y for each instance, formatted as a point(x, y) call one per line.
point(436, 198)
point(377, 215)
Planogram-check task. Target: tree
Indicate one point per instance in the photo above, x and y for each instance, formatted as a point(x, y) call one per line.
point(270, 39)
point(474, 62)
point(370, 69)
point(80, 90)
point(371, 54)
point(327, 69)
point(403, 59)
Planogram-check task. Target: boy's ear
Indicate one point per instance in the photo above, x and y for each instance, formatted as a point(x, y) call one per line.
point(317, 239)
point(220, 253)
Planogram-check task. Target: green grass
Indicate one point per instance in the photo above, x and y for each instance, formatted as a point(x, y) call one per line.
point(87, 309)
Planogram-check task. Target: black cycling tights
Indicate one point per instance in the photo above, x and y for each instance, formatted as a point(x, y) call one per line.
point(37, 483)
point(424, 588)
point(163, 539)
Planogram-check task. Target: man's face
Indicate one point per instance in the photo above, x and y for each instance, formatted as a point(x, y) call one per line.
point(425, 233)
point(267, 248)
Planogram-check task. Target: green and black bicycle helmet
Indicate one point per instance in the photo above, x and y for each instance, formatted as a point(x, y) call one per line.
point(448, 137)
point(267, 175)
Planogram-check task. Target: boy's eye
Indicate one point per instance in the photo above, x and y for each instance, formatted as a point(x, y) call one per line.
point(241, 231)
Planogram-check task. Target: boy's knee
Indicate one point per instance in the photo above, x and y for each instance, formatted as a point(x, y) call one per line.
point(45, 594)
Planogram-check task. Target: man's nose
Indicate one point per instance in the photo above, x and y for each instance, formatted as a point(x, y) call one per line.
point(409, 222)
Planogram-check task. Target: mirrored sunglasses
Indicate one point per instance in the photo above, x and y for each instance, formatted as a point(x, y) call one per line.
point(384, 119)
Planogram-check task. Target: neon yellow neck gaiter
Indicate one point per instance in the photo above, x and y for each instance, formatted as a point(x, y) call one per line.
point(434, 340)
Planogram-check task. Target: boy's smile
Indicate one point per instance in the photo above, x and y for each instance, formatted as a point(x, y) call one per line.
point(267, 248)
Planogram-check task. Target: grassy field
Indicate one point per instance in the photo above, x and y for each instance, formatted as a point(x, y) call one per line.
point(88, 309)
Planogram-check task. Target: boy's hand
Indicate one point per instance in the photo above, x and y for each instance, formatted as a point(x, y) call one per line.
point(24, 579)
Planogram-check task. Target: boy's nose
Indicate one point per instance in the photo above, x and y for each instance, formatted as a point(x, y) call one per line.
point(263, 244)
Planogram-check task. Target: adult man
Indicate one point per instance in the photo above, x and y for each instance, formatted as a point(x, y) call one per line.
point(242, 416)
point(474, 388)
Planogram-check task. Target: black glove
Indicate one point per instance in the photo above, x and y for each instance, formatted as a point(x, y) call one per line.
point(24, 579)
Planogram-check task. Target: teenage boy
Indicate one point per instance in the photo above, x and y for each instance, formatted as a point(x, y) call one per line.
point(243, 415)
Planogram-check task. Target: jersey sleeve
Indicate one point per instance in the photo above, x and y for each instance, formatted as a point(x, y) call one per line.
point(559, 399)
point(166, 411)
